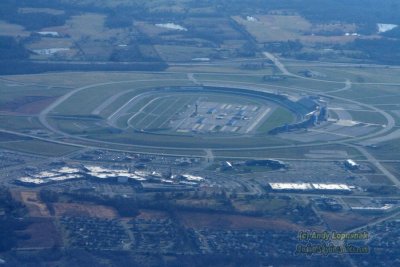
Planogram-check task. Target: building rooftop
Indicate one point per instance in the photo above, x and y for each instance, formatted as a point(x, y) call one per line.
point(309, 186)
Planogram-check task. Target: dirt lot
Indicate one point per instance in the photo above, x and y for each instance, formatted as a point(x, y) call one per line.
point(209, 220)
point(152, 214)
point(340, 222)
point(27, 105)
point(75, 209)
point(31, 200)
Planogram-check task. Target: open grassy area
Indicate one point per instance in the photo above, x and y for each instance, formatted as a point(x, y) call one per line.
point(223, 67)
point(47, 43)
point(87, 30)
point(79, 79)
point(257, 78)
point(38, 147)
point(90, 25)
point(379, 179)
point(14, 91)
point(10, 29)
point(19, 123)
point(387, 150)
point(279, 117)
point(6, 137)
point(26, 10)
point(172, 53)
point(156, 114)
point(371, 94)
point(119, 101)
point(194, 142)
point(132, 148)
point(304, 85)
point(368, 117)
point(84, 102)
point(264, 206)
point(394, 168)
point(269, 28)
point(354, 74)
point(77, 125)
point(295, 152)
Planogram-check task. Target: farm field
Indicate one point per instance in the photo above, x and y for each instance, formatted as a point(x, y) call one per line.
point(183, 53)
point(10, 29)
point(280, 28)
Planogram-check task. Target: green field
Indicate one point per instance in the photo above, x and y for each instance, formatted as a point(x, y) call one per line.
point(279, 117)
point(380, 179)
point(157, 114)
point(371, 94)
point(387, 150)
point(173, 53)
point(187, 142)
point(357, 75)
point(38, 147)
point(293, 152)
point(6, 137)
point(85, 101)
point(256, 78)
point(368, 117)
point(280, 28)
point(79, 79)
point(19, 123)
point(27, 98)
point(78, 125)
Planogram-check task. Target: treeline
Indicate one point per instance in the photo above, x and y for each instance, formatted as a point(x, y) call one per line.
point(118, 20)
point(123, 16)
point(363, 12)
point(10, 222)
point(383, 50)
point(126, 207)
point(130, 207)
point(357, 11)
point(31, 21)
point(133, 52)
point(395, 33)
point(285, 48)
point(11, 67)
point(11, 49)
point(36, 21)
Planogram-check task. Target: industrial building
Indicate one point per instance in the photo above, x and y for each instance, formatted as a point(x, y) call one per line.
point(311, 187)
